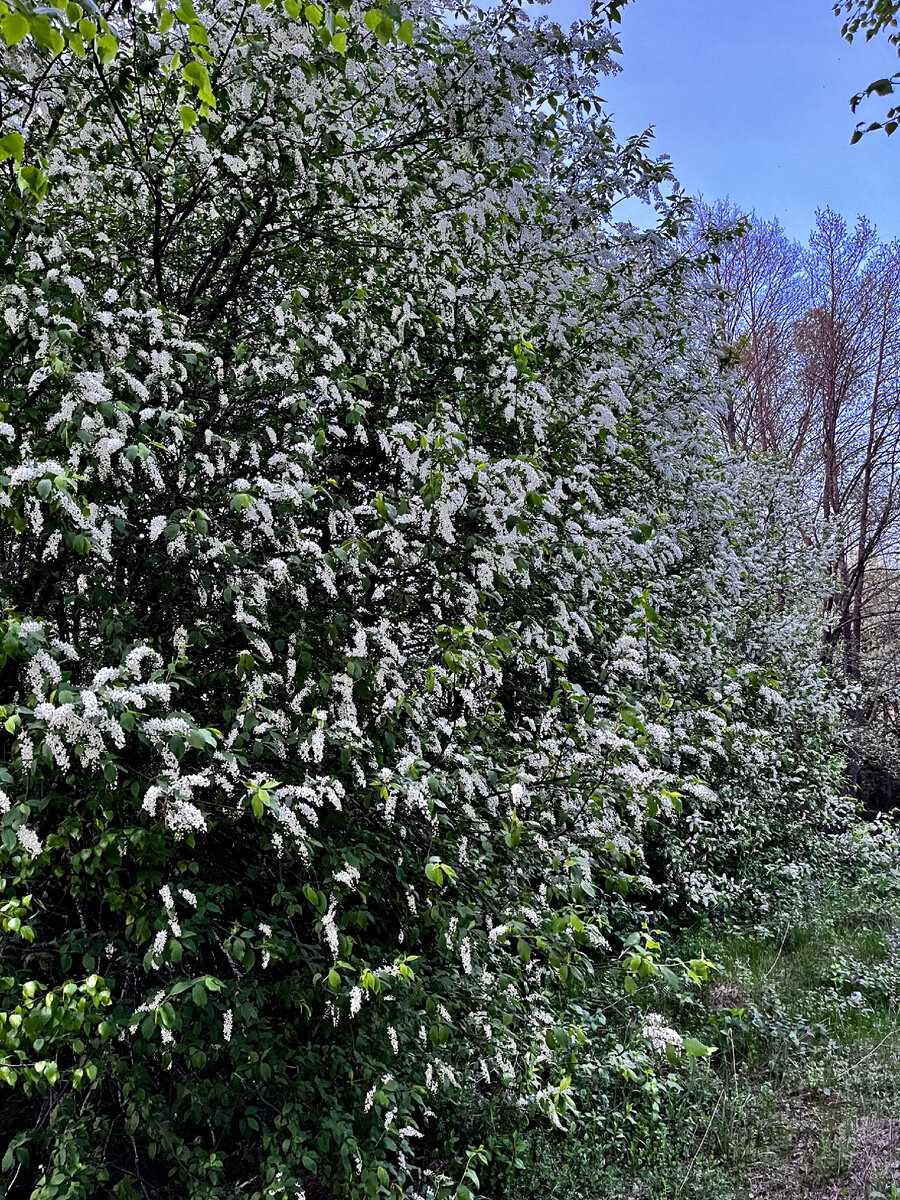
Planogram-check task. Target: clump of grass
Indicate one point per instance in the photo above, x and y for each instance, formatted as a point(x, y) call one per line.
point(808, 1017)
point(802, 1099)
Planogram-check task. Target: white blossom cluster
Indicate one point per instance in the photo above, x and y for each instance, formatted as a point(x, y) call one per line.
point(371, 540)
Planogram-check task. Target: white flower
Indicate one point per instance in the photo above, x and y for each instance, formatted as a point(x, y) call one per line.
point(159, 945)
point(157, 525)
point(29, 840)
point(660, 1035)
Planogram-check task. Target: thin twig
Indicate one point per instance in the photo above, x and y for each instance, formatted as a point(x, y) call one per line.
point(875, 1049)
point(700, 1147)
point(778, 955)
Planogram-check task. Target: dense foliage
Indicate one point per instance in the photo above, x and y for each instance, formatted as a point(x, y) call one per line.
point(385, 636)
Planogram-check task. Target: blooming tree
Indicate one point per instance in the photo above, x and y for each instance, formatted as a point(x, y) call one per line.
point(385, 634)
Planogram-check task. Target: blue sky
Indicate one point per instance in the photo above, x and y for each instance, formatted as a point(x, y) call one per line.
point(750, 100)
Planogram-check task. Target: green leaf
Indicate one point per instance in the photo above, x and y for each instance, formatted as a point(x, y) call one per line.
point(523, 949)
point(188, 117)
point(694, 1048)
point(34, 181)
point(313, 14)
point(405, 32)
point(197, 75)
point(107, 47)
point(339, 43)
point(372, 18)
point(670, 977)
point(198, 995)
point(434, 873)
point(14, 28)
point(12, 145)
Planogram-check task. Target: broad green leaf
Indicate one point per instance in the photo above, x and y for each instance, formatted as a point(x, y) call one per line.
point(14, 27)
point(434, 873)
point(33, 180)
point(12, 145)
point(197, 75)
point(107, 47)
point(694, 1048)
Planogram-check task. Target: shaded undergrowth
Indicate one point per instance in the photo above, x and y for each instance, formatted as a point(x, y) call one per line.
point(801, 1100)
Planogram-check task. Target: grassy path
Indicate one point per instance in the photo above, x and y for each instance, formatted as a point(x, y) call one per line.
point(808, 1103)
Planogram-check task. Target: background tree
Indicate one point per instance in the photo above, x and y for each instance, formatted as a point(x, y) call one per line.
point(819, 388)
point(757, 271)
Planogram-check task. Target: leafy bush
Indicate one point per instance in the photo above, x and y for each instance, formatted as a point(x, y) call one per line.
point(385, 634)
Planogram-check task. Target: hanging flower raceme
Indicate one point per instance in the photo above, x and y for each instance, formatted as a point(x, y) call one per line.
point(383, 631)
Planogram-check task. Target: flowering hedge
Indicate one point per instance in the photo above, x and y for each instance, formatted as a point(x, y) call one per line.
point(384, 634)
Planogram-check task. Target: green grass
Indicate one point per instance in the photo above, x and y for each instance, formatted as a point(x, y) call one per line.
point(801, 1100)
point(809, 1068)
